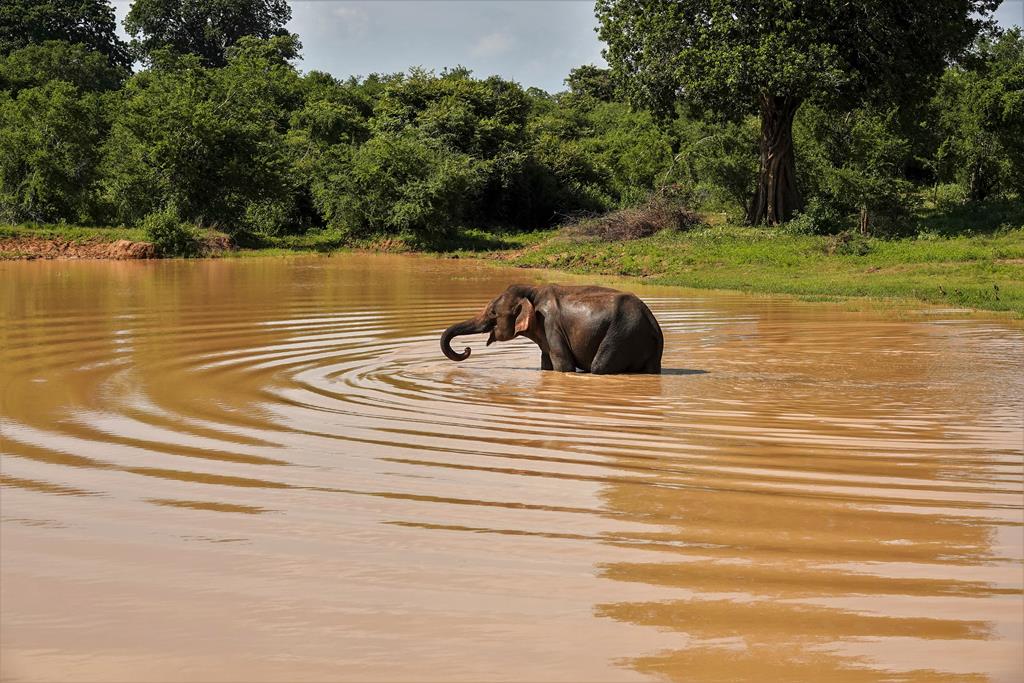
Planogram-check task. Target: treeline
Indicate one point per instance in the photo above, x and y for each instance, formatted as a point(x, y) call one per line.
point(217, 128)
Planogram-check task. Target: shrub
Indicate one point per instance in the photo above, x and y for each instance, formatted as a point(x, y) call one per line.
point(847, 243)
point(851, 165)
point(949, 196)
point(169, 235)
point(629, 148)
point(660, 212)
point(56, 60)
point(721, 158)
point(979, 116)
point(804, 223)
point(267, 217)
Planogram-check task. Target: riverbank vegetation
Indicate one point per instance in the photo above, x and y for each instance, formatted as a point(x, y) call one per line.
point(982, 272)
point(818, 124)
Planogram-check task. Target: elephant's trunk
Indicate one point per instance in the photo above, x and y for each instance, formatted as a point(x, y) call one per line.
point(471, 326)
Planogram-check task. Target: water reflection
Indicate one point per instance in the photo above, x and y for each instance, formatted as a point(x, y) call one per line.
point(833, 540)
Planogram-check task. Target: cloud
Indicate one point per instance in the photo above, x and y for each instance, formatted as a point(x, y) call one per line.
point(535, 42)
point(355, 20)
point(492, 45)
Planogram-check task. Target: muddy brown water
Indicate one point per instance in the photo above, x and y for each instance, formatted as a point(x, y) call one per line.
point(266, 470)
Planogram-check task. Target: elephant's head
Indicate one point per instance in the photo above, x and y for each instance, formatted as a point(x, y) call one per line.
point(508, 315)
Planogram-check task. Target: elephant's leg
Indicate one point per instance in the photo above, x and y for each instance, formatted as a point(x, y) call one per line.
point(558, 351)
point(617, 353)
point(608, 360)
point(612, 353)
point(562, 364)
point(545, 362)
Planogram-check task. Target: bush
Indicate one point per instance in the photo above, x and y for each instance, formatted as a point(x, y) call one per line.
point(851, 167)
point(267, 217)
point(660, 212)
point(847, 243)
point(399, 183)
point(979, 119)
point(950, 196)
point(631, 151)
point(721, 159)
point(56, 60)
point(169, 235)
point(803, 223)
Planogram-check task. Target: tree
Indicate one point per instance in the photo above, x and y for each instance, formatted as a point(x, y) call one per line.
point(206, 28)
point(718, 161)
point(209, 143)
point(89, 22)
point(56, 60)
point(737, 57)
point(591, 81)
point(853, 164)
point(49, 153)
point(403, 183)
point(630, 150)
point(485, 119)
point(980, 118)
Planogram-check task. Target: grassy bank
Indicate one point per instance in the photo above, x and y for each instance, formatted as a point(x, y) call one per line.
point(71, 233)
point(985, 272)
point(969, 256)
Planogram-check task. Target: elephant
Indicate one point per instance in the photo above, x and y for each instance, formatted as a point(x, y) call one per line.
point(596, 329)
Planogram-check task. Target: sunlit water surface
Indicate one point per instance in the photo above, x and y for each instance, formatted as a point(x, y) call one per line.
point(266, 470)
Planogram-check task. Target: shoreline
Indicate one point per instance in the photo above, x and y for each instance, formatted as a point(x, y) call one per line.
point(57, 248)
point(96, 248)
point(979, 273)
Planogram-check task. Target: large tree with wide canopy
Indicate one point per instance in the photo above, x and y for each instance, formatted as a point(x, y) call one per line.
point(767, 57)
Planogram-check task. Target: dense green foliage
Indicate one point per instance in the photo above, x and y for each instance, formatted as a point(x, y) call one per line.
point(979, 109)
point(220, 130)
point(208, 141)
point(169, 234)
point(85, 22)
point(853, 164)
point(739, 57)
point(50, 137)
point(205, 28)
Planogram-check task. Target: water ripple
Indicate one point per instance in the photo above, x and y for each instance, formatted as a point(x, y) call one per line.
point(256, 470)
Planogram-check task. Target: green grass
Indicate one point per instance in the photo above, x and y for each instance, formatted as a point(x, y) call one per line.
point(72, 233)
point(470, 241)
point(957, 271)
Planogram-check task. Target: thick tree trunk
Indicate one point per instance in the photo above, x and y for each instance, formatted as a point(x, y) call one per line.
point(980, 186)
point(777, 197)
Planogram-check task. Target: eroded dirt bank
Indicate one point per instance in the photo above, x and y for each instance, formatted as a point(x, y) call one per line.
point(28, 248)
point(40, 248)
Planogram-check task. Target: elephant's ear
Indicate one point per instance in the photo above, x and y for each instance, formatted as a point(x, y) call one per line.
point(525, 318)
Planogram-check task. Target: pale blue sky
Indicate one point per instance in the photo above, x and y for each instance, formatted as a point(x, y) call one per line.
point(534, 42)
